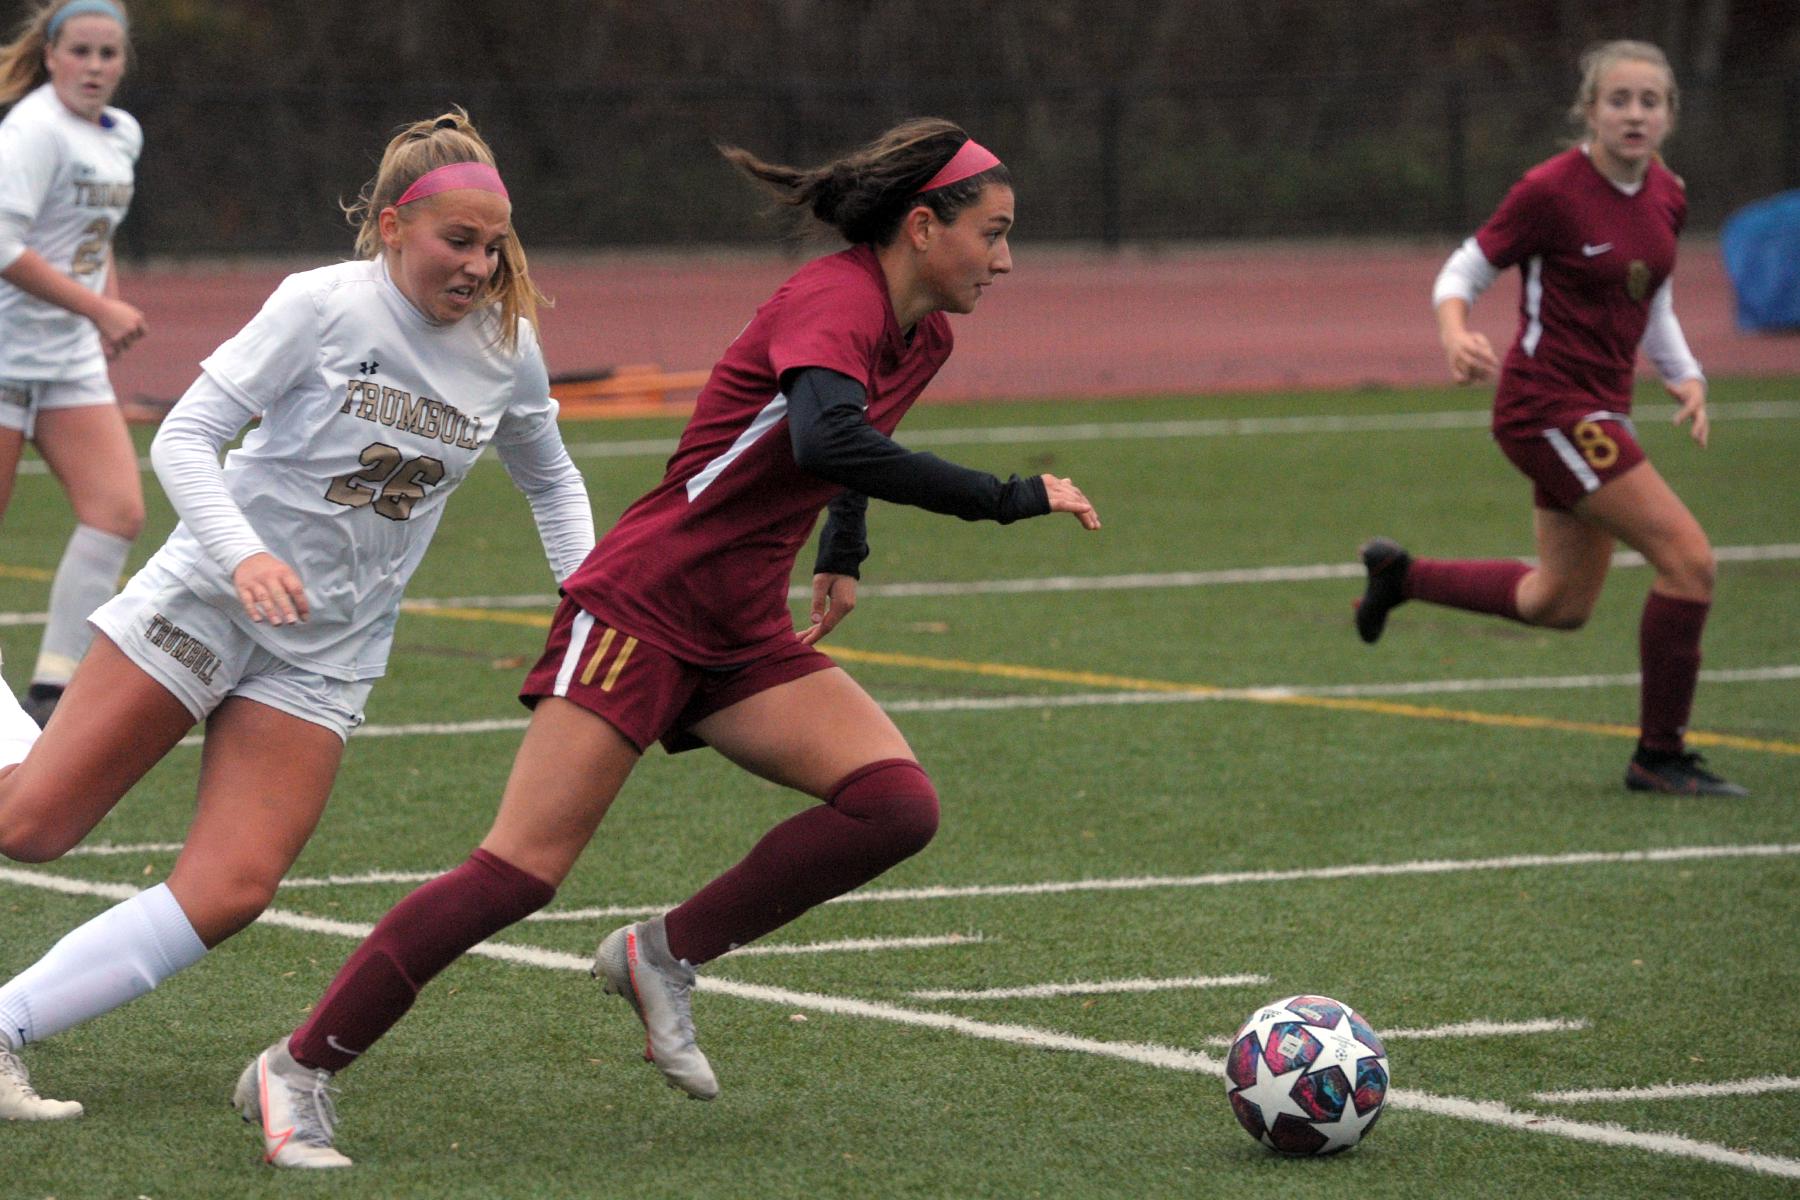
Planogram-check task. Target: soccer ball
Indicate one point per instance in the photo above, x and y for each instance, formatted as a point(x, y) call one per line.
point(1306, 1075)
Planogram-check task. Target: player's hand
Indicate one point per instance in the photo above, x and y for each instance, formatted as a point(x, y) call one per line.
point(1470, 356)
point(120, 325)
point(1690, 396)
point(270, 590)
point(833, 598)
point(1066, 497)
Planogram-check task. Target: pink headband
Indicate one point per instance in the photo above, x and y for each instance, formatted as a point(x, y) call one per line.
point(446, 178)
point(971, 159)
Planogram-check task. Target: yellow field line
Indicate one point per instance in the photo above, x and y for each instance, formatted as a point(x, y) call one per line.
point(1126, 683)
point(532, 619)
point(37, 574)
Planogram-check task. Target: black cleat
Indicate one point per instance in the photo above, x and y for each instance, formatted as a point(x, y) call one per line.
point(41, 700)
point(1676, 773)
point(1387, 565)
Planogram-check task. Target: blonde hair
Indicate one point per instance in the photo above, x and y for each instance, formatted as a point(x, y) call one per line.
point(1594, 63)
point(424, 146)
point(22, 59)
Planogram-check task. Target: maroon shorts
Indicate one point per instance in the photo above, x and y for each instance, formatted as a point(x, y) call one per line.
point(1570, 461)
point(645, 693)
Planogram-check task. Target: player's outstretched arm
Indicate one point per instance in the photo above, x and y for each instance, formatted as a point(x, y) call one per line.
point(832, 438)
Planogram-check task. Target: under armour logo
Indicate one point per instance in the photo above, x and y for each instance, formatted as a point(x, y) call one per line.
point(370, 367)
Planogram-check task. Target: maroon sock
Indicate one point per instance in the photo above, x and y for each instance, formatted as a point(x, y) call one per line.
point(1484, 585)
point(419, 937)
point(1669, 657)
point(873, 818)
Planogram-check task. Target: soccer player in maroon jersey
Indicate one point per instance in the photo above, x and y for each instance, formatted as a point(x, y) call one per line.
point(1593, 233)
point(676, 628)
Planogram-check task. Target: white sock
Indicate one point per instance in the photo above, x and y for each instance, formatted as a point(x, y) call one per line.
point(108, 962)
point(86, 578)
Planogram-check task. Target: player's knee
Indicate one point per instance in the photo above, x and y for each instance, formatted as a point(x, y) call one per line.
point(894, 796)
point(1566, 616)
point(1696, 571)
point(1564, 606)
point(122, 517)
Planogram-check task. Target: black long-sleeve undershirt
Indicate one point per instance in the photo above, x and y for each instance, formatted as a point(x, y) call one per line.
point(832, 438)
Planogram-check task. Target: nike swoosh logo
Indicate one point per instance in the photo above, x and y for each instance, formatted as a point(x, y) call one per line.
point(331, 1040)
point(1589, 251)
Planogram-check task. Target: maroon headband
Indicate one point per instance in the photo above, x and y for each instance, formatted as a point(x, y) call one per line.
point(972, 159)
point(476, 175)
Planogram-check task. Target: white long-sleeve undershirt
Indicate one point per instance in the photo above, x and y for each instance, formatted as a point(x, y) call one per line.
point(1467, 273)
point(1664, 344)
point(185, 455)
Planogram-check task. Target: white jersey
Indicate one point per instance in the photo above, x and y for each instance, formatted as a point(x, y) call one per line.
point(371, 416)
point(65, 184)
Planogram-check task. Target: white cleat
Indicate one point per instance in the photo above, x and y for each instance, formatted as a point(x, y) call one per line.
point(293, 1105)
point(634, 962)
point(19, 1101)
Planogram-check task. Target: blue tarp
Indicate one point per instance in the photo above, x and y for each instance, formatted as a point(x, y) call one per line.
point(1761, 247)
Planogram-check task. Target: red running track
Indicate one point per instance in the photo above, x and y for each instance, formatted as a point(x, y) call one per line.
point(1067, 322)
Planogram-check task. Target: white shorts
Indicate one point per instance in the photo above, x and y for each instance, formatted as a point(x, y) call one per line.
point(201, 655)
point(21, 400)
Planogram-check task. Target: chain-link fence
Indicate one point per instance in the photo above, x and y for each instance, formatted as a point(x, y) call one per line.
point(228, 170)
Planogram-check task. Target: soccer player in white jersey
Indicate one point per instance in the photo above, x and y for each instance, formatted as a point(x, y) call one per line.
point(66, 163)
point(270, 611)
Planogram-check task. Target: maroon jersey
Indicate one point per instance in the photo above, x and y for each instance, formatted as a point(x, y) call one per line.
point(1591, 257)
point(699, 567)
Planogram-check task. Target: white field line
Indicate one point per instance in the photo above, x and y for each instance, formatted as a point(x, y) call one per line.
point(1492, 1112)
point(1110, 431)
point(1302, 573)
point(109, 849)
point(1110, 987)
point(955, 704)
point(1225, 879)
point(859, 945)
point(1675, 1091)
point(1449, 866)
point(1756, 410)
point(364, 877)
point(1359, 871)
point(1465, 1029)
point(1146, 1054)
